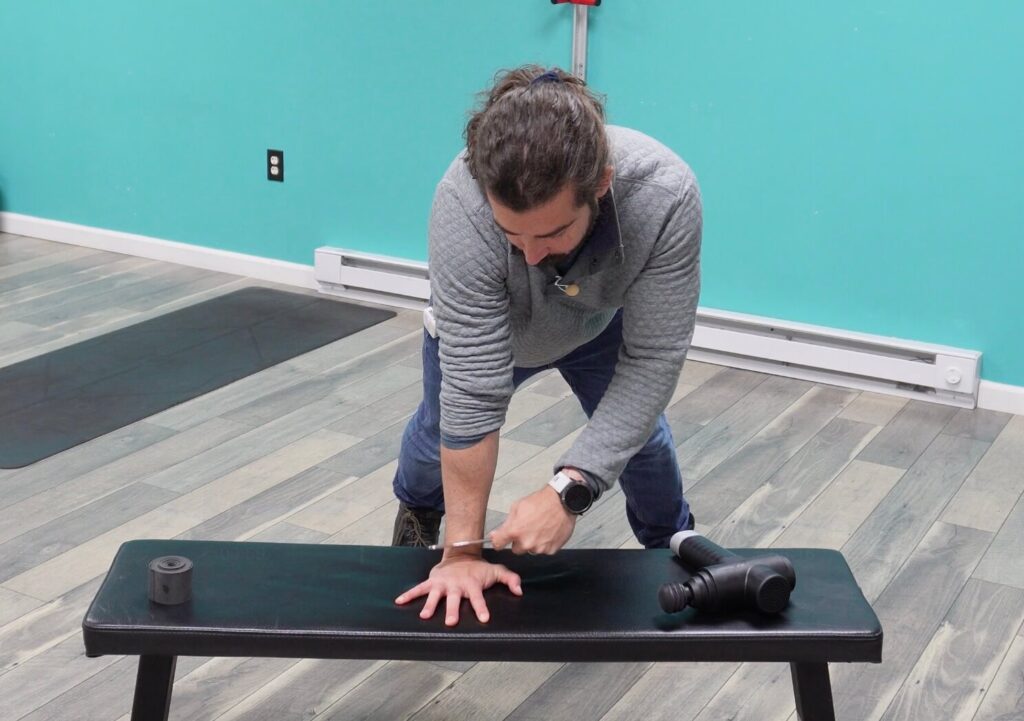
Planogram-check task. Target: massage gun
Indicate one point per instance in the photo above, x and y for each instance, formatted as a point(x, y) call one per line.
point(723, 580)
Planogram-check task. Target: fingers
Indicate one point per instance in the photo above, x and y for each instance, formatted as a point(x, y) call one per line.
point(458, 581)
point(476, 599)
point(533, 525)
point(500, 537)
point(434, 593)
point(522, 547)
point(431, 604)
point(511, 579)
point(507, 533)
point(454, 601)
point(413, 593)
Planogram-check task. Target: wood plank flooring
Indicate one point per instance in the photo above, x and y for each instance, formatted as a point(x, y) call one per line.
point(924, 500)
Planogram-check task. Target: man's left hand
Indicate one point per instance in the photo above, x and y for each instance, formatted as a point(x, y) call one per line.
point(537, 523)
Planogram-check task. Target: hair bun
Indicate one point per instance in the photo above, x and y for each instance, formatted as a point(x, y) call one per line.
point(551, 76)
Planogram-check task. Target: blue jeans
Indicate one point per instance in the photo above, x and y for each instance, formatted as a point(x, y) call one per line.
point(651, 481)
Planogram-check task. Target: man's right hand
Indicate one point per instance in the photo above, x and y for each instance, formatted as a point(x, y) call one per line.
point(461, 575)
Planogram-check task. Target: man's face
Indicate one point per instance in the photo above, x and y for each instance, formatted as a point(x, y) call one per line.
point(548, 233)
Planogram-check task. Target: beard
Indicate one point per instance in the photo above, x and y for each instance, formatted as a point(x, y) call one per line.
point(551, 261)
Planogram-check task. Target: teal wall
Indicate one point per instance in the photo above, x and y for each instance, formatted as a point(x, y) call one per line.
point(862, 163)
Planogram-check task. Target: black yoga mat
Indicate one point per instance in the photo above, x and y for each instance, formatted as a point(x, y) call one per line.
point(55, 401)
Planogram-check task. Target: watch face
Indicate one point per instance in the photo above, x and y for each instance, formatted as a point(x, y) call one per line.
point(577, 497)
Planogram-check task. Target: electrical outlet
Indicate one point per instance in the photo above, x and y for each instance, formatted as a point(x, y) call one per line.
point(275, 165)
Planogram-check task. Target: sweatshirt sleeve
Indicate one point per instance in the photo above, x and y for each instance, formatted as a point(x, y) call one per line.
point(471, 308)
point(657, 325)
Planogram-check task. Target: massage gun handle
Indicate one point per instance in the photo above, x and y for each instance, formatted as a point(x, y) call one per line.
point(697, 551)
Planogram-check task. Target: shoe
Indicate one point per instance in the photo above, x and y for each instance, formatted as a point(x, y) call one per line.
point(416, 527)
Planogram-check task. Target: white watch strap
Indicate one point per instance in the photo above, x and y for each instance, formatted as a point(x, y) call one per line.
point(560, 481)
point(428, 321)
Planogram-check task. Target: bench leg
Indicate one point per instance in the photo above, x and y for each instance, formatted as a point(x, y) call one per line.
point(153, 688)
point(813, 692)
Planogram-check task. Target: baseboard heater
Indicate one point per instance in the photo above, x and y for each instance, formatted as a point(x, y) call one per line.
point(924, 371)
point(376, 278)
point(824, 355)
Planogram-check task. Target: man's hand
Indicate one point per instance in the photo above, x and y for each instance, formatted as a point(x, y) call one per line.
point(537, 523)
point(462, 575)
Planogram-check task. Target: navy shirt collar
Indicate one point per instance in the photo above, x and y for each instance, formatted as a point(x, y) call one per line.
point(603, 245)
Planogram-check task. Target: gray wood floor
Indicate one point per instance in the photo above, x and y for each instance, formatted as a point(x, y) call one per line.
point(924, 501)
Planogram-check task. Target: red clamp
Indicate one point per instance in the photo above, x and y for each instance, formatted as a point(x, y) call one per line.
point(592, 3)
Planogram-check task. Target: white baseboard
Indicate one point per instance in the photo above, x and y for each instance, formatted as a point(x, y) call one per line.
point(223, 261)
point(1001, 397)
point(990, 395)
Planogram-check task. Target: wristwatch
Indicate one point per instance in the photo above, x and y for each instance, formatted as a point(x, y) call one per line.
point(577, 496)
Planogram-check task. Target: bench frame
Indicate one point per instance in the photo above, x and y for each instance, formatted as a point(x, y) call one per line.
point(154, 683)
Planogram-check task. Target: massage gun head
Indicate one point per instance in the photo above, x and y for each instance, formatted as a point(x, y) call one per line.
point(721, 579)
point(674, 597)
point(767, 590)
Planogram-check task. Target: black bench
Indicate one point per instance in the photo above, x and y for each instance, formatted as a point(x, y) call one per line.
point(324, 601)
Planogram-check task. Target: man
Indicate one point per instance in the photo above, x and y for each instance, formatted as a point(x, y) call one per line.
point(555, 242)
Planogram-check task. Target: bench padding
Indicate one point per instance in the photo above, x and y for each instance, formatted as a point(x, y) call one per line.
point(328, 601)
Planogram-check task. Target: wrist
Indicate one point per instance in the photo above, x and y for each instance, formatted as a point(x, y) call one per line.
point(586, 477)
point(462, 554)
point(556, 500)
point(575, 494)
point(574, 473)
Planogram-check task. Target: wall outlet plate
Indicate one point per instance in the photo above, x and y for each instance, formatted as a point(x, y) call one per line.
point(275, 165)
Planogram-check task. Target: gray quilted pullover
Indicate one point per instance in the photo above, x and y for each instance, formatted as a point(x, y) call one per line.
point(494, 311)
